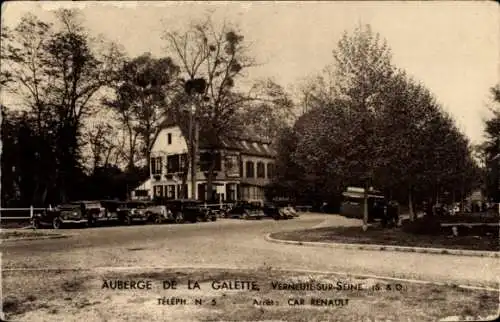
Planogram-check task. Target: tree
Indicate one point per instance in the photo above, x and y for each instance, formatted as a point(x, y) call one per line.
point(144, 90)
point(219, 57)
point(266, 116)
point(376, 126)
point(97, 138)
point(362, 70)
point(407, 111)
point(492, 147)
point(56, 75)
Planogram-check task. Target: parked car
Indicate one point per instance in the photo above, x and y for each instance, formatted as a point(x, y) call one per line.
point(275, 211)
point(245, 210)
point(189, 210)
point(142, 211)
point(99, 211)
point(62, 215)
point(290, 211)
point(158, 212)
point(219, 210)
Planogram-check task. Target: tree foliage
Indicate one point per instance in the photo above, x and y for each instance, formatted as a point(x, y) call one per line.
point(370, 124)
point(219, 55)
point(143, 91)
point(491, 147)
point(56, 75)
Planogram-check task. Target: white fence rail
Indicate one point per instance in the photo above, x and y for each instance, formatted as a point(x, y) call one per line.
point(31, 211)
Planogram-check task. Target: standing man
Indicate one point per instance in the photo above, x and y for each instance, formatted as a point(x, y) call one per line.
point(393, 213)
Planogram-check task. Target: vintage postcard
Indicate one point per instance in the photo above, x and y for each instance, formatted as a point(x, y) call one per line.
point(250, 161)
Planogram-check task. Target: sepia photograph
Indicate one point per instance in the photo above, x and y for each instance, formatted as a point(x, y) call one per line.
point(250, 161)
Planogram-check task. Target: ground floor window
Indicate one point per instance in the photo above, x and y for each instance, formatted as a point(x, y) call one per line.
point(158, 191)
point(182, 191)
point(231, 191)
point(141, 193)
point(171, 191)
point(201, 191)
point(252, 193)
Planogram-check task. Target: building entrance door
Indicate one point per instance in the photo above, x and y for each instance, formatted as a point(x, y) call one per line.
point(201, 192)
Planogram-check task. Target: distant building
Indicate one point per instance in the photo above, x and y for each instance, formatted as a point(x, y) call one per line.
point(243, 167)
point(142, 192)
point(475, 196)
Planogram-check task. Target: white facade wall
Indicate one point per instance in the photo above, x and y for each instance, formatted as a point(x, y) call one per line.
point(249, 188)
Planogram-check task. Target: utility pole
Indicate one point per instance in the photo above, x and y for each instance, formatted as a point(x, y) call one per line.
point(194, 149)
point(194, 88)
point(191, 155)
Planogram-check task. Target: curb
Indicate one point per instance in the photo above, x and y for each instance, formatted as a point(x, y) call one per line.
point(440, 251)
point(35, 238)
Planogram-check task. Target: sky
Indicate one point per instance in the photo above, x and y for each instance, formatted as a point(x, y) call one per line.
point(451, 47)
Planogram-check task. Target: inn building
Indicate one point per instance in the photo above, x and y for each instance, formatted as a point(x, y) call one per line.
point(243, 167)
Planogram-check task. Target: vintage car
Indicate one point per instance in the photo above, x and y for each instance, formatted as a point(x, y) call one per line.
point(100, 211)
point(276, 211)
point(219, 210)
point(189, 210)
point(62, 215)
point(245, 210)
point(143, 211)
point(290, 211)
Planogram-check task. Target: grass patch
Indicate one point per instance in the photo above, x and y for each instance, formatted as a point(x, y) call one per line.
point(390, 237)
point(18, 223)
point(77, 295)
point(5, 234)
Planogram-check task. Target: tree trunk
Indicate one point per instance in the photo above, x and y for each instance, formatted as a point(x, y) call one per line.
point(184, 190)
point(194, 152)
point(365, 208)
point(210, 177)
point(148, 161)
point(410, 204)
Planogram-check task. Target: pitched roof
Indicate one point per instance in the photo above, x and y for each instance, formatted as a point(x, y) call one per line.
point(245, 144)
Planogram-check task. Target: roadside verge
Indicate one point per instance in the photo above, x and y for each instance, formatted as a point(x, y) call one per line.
point(21, 235)
point(428, 250)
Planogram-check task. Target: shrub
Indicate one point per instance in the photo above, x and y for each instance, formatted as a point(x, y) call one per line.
point(422, 226)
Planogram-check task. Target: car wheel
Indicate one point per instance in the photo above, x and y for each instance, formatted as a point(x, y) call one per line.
point(157, 220)
point(245, 216)
point(36, 223)
point(213, 218)
point(91, 222)
point(179, 218)
point(56, 223)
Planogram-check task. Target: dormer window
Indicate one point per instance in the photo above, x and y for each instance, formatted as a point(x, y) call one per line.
point(256, 146)
point(261, 170)
point(249, 169)
point(169, 138)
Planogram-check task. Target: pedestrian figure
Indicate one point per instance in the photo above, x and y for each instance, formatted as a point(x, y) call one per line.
point(393, 213)
point(323, 207)
point(384, 215)
point(427, 208)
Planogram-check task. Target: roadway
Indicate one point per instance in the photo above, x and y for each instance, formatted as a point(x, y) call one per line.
point(236, 244)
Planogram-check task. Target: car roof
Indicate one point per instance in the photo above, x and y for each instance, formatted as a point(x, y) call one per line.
point(184, 200)
point(84, 201)
point(68, 205)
